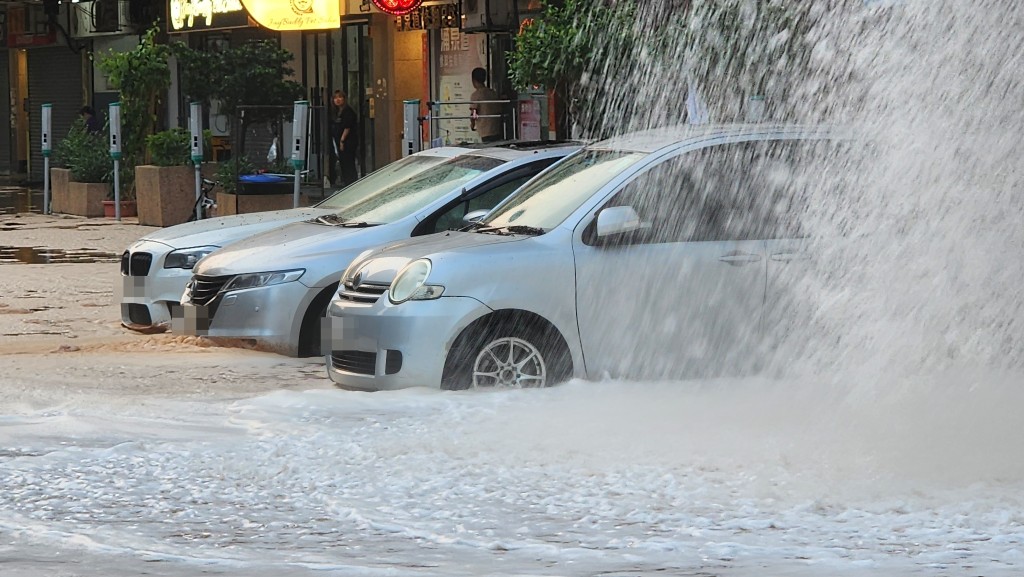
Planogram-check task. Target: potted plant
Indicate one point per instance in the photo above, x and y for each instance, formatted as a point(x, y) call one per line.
point(140, 76)
point(81, 181)
point(165, 187)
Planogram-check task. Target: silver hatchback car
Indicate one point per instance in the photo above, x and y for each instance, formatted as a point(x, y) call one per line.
point(651, 255)
point(273, 288)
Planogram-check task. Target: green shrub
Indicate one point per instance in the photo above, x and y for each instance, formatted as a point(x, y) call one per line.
point(229, 171)
point(174, 147)
point(86, 154)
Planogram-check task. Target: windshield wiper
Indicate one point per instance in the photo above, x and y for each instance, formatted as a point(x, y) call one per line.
point(514, 229)
point(328, 219)
point(336, 220)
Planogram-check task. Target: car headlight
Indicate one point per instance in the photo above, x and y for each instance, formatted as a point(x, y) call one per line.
point(258, 279)
point(411, 283)
point(187, 257)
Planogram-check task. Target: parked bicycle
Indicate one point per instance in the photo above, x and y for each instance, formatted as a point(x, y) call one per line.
point(204, 205)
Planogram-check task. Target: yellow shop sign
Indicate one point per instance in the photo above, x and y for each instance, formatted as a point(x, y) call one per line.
point(295, 14)
point(188, 15)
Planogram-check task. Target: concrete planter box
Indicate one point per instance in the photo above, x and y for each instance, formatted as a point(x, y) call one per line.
point(78, 198)
point(166, 195)
point(228, 203)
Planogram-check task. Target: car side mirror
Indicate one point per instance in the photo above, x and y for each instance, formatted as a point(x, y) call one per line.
point(617, 220)
point(474, 216)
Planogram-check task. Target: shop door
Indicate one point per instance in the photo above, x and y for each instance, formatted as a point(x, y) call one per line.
point(352, 71)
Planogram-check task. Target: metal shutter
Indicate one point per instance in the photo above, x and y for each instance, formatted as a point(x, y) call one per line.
point(54, 76)
point(5, 112)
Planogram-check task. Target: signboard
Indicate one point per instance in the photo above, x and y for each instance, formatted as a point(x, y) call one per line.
point(397, 7)
point(190, 15)
point(25, 29)
point(295, 14)
point(433, 17)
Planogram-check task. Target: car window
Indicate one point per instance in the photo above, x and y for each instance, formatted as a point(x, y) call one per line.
point(742, 191)
point(552, 197)
point(380, 179)
point(412, 194)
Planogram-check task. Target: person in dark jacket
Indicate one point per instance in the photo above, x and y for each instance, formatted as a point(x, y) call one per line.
point(345, 136)
point(92, 124)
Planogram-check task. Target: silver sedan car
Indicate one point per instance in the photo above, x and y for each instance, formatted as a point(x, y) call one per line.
point(274, 288)
point(651, 255)
point(155, 268)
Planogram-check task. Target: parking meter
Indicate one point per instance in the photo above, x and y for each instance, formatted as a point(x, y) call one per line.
point(115, 153)
point(195, 126)
point(411, 139)
point(47, 148)
point(300, 120)
point(47, 122)
point(115, 130)
point(299, 123)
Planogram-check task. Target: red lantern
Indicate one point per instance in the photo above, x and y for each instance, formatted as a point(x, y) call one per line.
point(397, 7)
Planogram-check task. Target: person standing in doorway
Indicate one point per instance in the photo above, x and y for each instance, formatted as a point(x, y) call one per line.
point(92, 124)
point(345, 136)
point(485, 117)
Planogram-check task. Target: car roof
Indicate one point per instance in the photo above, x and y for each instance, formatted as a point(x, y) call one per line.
point(443, 151)
point(648, 141)
point(513, 150)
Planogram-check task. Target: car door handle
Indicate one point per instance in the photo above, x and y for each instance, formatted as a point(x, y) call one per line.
point(789, 256)
point(738, 258)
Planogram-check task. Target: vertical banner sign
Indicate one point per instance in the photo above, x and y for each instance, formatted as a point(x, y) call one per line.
point(300, 121)
point(47, 146)
point(115, 153)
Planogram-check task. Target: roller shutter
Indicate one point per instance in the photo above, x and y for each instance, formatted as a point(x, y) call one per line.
point(5, 112)
point(54, 76)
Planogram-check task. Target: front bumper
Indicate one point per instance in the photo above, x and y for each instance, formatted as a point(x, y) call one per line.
point(381, 346)
point(149, 294)
point(270, 315)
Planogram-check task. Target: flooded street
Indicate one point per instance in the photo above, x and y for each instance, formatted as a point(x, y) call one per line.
point(883, 438)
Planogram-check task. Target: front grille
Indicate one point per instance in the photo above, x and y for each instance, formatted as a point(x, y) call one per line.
point(357, 362)
point(203, 289)
point(136, 264)
point(364, 292)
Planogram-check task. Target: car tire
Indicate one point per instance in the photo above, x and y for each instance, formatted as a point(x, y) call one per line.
point(505, 355)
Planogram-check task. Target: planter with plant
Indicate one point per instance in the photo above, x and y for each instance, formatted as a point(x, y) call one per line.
point(141, 76)
point(165, 188)
point(81, 180)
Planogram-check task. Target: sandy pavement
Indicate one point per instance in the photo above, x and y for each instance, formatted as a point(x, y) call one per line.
point(61, 339)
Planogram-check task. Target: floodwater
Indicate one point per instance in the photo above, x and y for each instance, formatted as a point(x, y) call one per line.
point(41, 255)
point(15, 199)
point(885, 440)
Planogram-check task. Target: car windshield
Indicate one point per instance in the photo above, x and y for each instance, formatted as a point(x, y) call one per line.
point(406, 197)
point(550, 199)
point(377, 180)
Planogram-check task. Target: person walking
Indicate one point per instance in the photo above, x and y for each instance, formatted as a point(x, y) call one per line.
point(345, 137)
point(489, 129)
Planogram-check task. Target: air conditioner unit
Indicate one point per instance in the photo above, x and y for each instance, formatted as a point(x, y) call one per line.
point(488, 16)
point(101, 18)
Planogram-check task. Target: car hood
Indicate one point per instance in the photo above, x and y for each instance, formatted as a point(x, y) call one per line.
point(382, 264)
point(295, 245)
point(225, 230)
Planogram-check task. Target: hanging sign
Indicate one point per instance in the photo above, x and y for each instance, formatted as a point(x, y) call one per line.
point(295, 14)
point(189, 15)
point(397, 7)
